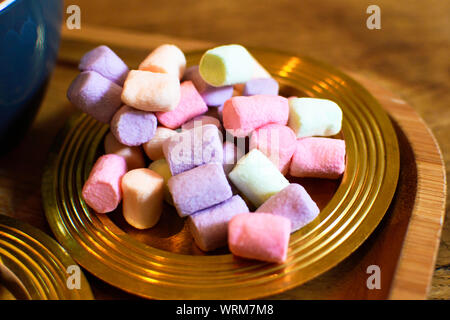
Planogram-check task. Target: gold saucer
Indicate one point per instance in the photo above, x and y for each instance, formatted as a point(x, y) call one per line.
point(164, 263)
point(34, 266)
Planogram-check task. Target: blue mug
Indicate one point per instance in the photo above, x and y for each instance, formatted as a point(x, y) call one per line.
point(29, 40)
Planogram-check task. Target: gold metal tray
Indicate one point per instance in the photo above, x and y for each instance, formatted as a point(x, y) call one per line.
point(34, 266)
point(164, 263)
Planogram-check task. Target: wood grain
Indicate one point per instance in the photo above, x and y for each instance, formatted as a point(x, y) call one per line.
point(424, 230)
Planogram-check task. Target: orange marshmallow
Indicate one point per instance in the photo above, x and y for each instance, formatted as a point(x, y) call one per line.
point(153, 148)
point(167, 58)
point(143, 194)
point(150, 91)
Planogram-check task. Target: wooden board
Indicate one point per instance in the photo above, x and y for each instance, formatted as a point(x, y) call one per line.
point(404, 245)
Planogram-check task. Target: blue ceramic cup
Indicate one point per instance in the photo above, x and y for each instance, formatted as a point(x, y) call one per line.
point(29, 41)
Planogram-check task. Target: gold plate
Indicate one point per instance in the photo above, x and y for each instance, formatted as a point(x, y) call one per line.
point(34, 266)
point(164, 263)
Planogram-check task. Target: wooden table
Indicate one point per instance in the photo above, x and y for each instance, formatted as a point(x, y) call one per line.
point(408, 56)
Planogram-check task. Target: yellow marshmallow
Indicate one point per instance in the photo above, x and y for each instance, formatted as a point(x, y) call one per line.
point(257, 177)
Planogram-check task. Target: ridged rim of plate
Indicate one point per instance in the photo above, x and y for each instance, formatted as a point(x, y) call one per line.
point(39, 262)
point(357, 207)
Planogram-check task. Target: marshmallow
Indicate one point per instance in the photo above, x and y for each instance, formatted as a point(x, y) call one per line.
point(318, 158)
point(133, 127)
point(257, 177)
point(259, 72)
point(94, 94)
point(209, 227)
point(241, 115)
point(153, 147)
point(105, 62)
point(228, 65)
point(294, 203)
point(231, 155)
point(260, 236)
point(201, 121)
point(149, 91)
point(166, 58)
point(199, 188)
point(193, 148)
point(277, 142)
point(133, 155)
point(190, 105)
point(142, 197)
point(161, 167)
point(266, 86)
point(102, 190)
point(213, 96)
point(314, 117)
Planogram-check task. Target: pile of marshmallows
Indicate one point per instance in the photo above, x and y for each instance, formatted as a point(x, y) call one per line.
point(160, 109)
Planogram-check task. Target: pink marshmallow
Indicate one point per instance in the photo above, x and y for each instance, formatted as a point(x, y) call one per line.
point(102, 190)
point(277, 142)
point(318, 158)
point(260, 236)
point(242, 115)
point(294, 203)
point(191, 105)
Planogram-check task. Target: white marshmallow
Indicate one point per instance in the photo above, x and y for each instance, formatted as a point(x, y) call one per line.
point(314, 117)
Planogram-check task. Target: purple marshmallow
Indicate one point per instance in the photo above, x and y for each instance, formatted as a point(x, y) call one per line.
point(266, 86)
point(199, 188)
point(192, 148)
point(294, 203)
point(213, 96)
point(95, 95)
point(209, 227)
point(133, 127)
point(104, 61)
